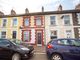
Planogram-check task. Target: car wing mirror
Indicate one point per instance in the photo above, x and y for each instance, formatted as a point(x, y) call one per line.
point(8, 45)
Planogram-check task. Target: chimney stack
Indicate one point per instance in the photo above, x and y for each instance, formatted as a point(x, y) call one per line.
point(42, 9)
point(60, 8)
point(26, 10)
point(13, 12)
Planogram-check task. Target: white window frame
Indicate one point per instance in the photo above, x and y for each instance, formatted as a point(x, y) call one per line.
point(38, 18)
point(55, 20)
point(27, 36)
point(64, 20)
point(27, 20)
point(78, 18)
point(12, 21)
point(2, 22)
point(69, 33)
point(53, 34)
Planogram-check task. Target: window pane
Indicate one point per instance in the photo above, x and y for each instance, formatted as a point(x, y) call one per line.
point(14, 34)
point(4, 22)
point(78, 17)
point(14, 22)
point(52, 20)
point(53, 34)
point(68, 33)
point(38, 21)
point(26, 22)
point(3, 34)
point(26, 35)
point(67, 20)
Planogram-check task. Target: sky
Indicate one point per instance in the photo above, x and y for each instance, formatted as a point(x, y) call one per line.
point(35, 5)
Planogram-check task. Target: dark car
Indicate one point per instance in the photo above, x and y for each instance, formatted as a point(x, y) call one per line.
point(20, 42)
point(63, 49)
point(13, 51)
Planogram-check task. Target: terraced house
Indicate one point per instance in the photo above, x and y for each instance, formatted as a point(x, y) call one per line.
point(10, 26)
point(39, 28)
point(62, 23)
point(28, 27)
point(33, 28)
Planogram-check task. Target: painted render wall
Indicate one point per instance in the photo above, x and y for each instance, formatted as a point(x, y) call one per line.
point(9, 28)
point(60, 27)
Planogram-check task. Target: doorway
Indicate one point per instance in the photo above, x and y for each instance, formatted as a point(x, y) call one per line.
point(39, 38)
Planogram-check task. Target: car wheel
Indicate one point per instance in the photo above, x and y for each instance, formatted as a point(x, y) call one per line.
point(56, 57)
point(16, 56)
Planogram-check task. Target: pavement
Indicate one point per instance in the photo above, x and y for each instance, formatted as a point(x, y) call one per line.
point(40, 49)
point(39, 53)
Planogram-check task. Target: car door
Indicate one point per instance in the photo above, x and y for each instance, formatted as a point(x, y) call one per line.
point(75, 48)
point(5, 50)
point(68, 49)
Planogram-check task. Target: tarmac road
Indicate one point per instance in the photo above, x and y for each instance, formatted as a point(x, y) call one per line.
point(37, 56)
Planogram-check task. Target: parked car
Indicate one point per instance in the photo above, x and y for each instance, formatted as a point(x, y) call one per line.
point(20, 42)
point(63, 49)
point(13, 51)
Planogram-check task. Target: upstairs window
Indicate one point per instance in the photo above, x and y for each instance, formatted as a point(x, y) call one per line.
point(52, 20)
point(26, 22)
point(66, 20)
point(38, 21)
point(15, 22)
point(78, 18)
point(4, 23)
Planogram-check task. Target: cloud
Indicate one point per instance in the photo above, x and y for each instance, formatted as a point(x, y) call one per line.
point(75, 2)
point(33, 5)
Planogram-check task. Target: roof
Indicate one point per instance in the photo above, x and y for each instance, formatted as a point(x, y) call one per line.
point(43, 13)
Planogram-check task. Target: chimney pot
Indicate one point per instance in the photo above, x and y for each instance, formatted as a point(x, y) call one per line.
point(60, 8)
point(26, 10)
point(42, 9)
point(13, 12)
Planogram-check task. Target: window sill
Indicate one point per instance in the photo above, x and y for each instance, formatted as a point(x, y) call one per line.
point(3, 27)
point(14, 26)
point(53, 25)
point(68, 25)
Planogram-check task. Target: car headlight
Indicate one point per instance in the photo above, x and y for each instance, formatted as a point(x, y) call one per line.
point(24, 48)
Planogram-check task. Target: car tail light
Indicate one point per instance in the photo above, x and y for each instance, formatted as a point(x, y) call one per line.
point(49, 46)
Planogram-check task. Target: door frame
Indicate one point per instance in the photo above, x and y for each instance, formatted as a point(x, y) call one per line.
point(42, 43)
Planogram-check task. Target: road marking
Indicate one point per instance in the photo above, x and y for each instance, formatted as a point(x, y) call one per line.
point(39, 53)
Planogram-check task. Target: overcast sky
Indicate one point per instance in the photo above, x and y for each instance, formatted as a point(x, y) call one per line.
point(35, 5)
